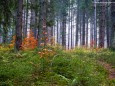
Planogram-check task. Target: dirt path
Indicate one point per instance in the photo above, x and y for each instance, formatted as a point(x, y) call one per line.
point(109, 68)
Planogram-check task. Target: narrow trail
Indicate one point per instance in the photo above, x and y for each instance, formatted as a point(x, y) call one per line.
point(109, 68)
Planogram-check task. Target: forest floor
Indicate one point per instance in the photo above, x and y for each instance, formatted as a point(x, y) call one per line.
point(110, 69)
point(56, 67)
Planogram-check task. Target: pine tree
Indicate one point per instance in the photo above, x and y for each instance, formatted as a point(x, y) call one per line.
point(19, 25)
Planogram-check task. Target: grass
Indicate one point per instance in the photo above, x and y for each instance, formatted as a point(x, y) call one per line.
point(107, 55)
point(65, 68)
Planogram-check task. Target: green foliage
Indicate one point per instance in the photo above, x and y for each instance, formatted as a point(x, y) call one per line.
point(107, 55)
point(50, 23)
point(65, 68)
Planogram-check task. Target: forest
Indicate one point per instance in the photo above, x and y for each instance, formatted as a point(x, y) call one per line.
point(57, 42)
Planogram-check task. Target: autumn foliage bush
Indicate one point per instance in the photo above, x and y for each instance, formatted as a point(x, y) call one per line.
point(29, 42)
point(45, 53)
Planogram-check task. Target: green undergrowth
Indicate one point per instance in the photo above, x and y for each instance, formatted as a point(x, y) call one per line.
point(76, 68)
point(107, 56)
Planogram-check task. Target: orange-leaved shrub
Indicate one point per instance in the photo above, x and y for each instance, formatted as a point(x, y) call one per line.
point(45, 53)
point(29, 42)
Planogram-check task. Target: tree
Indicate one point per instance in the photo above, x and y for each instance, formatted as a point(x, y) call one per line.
point(42, 31)
point(33, 21)
point(102, 25)
point(113, 24)
point(77, 22)
point(64, 14)
point(19, 25)
point(5, 14)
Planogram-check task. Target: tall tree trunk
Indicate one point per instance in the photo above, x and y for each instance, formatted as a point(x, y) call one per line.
point(50, 20)
point(64, 31)
point(80, 29)
point(57, 31)
point(26, 25)
point(91, 33)
point(0, 34)
point(102, 25)
point(19, 25)
point(42, 32)
point(77, 23)
point(113, 24)
point(5, 32)
point(33, 19)
point(95, 24)
point(71, 27)
point(108, 25)
point(83, 32)
point(6, 20)
point(87, 24)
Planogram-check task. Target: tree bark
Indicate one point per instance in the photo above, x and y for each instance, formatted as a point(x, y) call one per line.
point(83, 32)
point(102, 26)
point(113, 25)
point(64, 31)
point(77, 23)
point(42, 32)
point(19, 25)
